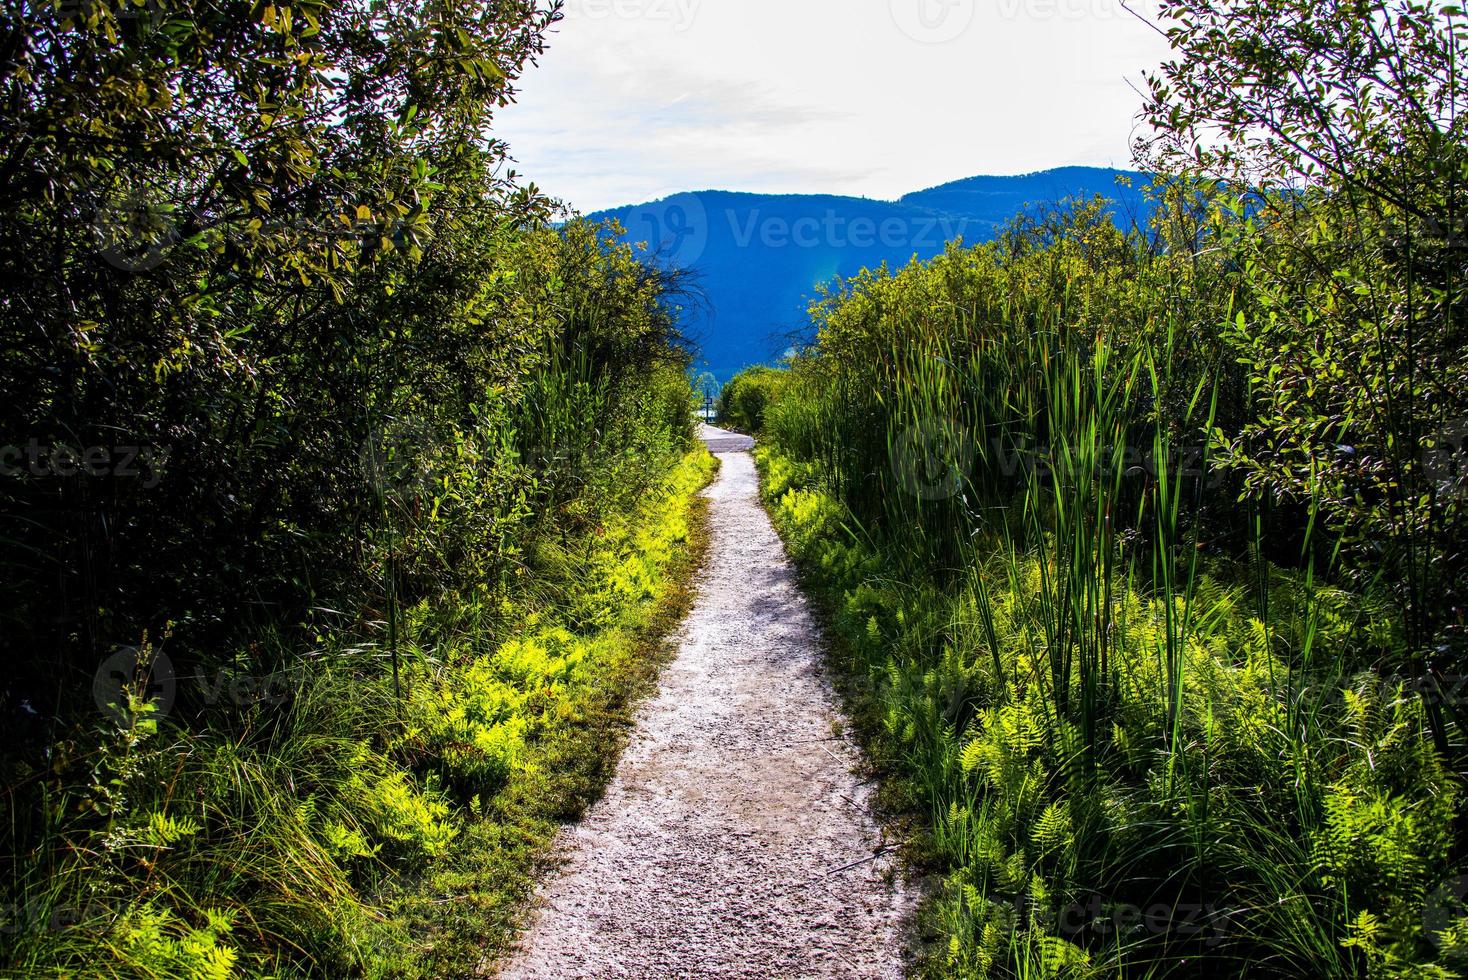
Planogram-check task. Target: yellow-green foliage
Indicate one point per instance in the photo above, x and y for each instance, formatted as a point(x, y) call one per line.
point(398, 810)
point(743, 400)
point(1304, 807)
point(157, 943)
point(358, 806)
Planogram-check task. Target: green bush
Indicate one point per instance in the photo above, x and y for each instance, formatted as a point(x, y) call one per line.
point(1275, 838)
point(1143, 547)
point(742, 401)
point(325, 412)
point(294, 833)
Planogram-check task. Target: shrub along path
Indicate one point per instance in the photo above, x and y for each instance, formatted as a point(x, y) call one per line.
point(735, 840)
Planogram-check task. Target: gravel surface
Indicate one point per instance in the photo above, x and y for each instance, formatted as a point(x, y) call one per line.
point(723, 441)
point(735, 839)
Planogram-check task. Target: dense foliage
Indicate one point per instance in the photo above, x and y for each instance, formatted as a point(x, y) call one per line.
point(1146, 548)
point(338, 483)
point(742, 402)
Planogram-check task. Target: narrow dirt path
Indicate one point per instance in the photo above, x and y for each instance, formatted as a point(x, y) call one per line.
point(735, 840)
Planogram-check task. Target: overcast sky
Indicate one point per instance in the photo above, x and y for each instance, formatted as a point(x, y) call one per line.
point(638, 99)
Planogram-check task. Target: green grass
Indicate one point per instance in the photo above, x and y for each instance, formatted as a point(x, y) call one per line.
point(1153, 722)
point(343, 830)
point(1247, 864)
point(470, 907)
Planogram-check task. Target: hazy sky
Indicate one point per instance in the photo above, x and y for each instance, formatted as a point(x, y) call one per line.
point(637, 99)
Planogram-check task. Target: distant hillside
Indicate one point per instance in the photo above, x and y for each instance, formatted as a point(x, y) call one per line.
point(759, 257)
point(997, 199)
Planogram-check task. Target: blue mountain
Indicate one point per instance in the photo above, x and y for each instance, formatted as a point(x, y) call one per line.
point(757, 259)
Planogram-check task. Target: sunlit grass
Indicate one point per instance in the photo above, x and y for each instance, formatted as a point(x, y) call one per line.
point(1137, 753)
point(345, 831)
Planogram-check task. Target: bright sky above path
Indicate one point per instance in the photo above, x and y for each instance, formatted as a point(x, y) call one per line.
point(638, 99)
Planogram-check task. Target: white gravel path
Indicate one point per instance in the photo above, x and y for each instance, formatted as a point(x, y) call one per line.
point(735, 840)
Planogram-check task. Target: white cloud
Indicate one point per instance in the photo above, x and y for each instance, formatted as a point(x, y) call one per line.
point(637, 99)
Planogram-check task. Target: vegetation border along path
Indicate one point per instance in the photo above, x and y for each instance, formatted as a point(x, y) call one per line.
point(736, 839)
point(470, 908)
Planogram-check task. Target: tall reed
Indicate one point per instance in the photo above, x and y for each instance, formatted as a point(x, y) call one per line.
point(998, 469)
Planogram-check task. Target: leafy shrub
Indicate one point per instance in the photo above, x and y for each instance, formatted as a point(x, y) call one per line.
point(394, 412)
point(1144, 545)
point(1229, 851)
point(742, 401)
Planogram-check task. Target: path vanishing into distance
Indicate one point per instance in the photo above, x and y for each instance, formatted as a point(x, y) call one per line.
point(735, 839)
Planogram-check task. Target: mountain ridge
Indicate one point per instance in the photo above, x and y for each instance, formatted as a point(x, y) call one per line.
point(757, 259)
